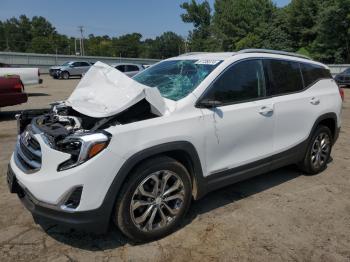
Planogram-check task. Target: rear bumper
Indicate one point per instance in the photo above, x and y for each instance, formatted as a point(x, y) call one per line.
point(13, 99)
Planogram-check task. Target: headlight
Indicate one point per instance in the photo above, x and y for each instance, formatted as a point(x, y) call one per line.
point(82, 148)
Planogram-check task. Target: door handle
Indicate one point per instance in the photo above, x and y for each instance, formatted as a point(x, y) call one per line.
point(265, 111)
point(315, 101)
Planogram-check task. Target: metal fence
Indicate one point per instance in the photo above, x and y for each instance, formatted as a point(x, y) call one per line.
point(44, 61)
point(336, 69)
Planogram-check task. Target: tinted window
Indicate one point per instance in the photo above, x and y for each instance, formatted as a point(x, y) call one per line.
point(241, 82)
point(284, 76)
point(347, 71)
point(313, 73)
point(121, 68)
point(84, 64)
point(130, 68)
point(75, 64)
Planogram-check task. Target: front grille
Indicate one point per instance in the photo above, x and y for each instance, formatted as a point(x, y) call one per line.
point(28, 152)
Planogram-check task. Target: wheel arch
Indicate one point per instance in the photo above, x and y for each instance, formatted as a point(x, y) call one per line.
point(329, 120)
point(182, 151)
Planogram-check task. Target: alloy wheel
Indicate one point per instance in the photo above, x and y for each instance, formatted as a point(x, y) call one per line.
point(157, 200)
point(320, 150)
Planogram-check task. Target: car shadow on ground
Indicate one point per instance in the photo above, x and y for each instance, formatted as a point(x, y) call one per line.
point(37, 94)
point(216, 199)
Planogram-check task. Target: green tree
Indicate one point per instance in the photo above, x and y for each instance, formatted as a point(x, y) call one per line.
point(302, 16)
point(128, 45)
point(42, 27)
point(276, 34)
point(167, 45)
point(2, 37)
point(17, 33)
point(200, 16)
point(332, 43)
point(238, 23)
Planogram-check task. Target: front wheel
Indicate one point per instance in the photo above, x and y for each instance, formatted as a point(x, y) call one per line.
point(65, 75)
point(318, 152)
point(154, 200)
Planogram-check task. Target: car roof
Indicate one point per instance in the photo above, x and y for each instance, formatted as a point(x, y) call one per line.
point(246, 53)
point(117, 64)
point(205, 55)
point(70, 62)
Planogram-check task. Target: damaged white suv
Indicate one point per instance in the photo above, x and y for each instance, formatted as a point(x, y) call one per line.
point(136, 151)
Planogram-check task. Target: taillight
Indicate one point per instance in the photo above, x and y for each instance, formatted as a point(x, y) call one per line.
point(341, 92)
point(18, 87)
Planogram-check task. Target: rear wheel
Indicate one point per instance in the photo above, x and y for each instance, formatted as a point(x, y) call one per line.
point(318, 152)
point(154, 200)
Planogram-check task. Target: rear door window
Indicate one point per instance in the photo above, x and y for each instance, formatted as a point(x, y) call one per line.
point(121, 68)
point(284, 76)
point(131, 68)
point(84, 64)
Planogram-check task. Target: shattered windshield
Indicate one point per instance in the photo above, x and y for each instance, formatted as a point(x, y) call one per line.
point(177, 78)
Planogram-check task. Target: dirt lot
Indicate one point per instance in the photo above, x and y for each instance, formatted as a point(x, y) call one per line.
point(280, 216)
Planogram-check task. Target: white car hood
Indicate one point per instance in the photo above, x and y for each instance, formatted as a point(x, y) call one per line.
point(105, 91)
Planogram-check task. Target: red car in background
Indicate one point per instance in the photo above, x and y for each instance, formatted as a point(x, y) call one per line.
point(11, 91)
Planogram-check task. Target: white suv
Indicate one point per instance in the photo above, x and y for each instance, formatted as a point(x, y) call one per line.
point(136, 151)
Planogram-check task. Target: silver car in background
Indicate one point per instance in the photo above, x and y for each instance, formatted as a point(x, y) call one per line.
point(68, 69)
point(128, 68)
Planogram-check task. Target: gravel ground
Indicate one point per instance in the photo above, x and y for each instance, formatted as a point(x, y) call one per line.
point(279, 216)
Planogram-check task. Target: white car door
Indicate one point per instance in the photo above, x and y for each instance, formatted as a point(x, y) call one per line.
point(295, 110)
point(240, 128)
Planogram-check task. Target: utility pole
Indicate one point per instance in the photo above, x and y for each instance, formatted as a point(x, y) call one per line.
point(75, 46)
point(81, 29)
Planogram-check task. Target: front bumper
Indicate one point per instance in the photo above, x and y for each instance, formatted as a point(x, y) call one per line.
point(45, 192)
point(96, 221)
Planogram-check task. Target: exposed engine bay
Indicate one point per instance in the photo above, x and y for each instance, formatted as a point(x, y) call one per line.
point(66, 130)
point(61, 120)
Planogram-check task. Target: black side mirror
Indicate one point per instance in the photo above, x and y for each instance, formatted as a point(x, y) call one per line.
point(209, 103)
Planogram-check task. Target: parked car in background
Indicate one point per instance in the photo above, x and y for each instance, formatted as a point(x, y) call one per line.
point(12, 91)
point(128, 69)
point(29, 76)
point(343, 78)
point(68, 69)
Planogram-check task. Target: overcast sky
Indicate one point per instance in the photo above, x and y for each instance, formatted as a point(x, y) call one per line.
point(106, 17)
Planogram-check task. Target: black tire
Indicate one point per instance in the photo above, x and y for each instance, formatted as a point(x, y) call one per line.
point(124, 217)
point(65, 75)
point(309, 165)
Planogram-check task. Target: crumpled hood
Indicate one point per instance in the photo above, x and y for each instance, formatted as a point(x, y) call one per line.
point(105, 91)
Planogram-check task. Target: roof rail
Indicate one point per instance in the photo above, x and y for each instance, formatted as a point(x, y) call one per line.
point(276, 52)
point(193, 53)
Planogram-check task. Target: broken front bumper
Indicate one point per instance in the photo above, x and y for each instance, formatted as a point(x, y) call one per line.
point(96, 221)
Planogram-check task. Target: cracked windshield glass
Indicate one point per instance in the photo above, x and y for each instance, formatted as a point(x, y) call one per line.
point(177, 78)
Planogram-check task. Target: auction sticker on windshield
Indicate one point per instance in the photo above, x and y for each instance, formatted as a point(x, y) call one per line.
point(207, 62)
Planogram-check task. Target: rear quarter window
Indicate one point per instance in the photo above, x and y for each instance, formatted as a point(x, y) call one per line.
point(313, 73)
